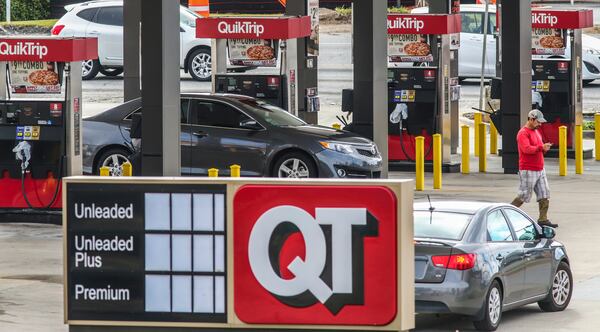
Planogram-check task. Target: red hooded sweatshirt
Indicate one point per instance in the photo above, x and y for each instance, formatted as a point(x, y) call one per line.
point(531, 150)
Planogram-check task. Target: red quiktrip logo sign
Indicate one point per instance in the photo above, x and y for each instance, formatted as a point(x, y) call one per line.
point(48, 49)
point(410, 23)
point(543, 19)
point(24, 49)
point(427, 24)
point(315, 255)
point(257, 28)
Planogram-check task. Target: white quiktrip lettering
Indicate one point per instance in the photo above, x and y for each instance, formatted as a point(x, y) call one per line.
point(544, 18)
point(24, 48)
point(307, 271)
point(406, 23)
point(241, 27)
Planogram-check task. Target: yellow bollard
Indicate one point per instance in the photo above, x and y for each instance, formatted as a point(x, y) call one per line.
point(493, 139)
point(336, 126)
point(478, 119)
point(127, 169)
point(104, 171)
point(437, 161)
point(466, 152)
point(482, 148)
point(562, 151)
point(235, 170)
point(213, 173)
point(597, 135)
point(420, 162)
point(578, 149)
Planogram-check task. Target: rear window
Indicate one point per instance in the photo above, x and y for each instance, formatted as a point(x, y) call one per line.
point(441, 225)
point(110, 16)
point(88, 14)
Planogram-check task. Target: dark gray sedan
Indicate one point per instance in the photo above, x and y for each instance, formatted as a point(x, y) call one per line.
point(480, 259)
point(219, 130)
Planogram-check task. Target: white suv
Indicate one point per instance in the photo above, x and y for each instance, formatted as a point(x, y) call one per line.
point(104, 19)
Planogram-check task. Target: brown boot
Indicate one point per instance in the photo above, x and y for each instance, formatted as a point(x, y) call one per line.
point(517, 202)
point(544, 204)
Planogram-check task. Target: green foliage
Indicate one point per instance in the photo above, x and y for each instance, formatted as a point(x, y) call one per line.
point(398, 10)
point(588, 125)
point(345, 11)
point(25, 10)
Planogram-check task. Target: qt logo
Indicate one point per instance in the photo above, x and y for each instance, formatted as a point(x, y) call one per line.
point(331, 271)
point(315, 254)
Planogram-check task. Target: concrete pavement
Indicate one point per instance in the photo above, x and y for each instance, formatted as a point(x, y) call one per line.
point(31, 261)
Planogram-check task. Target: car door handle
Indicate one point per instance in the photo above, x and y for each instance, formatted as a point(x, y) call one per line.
point(94, 32)
point(200, 134)
point(527, 255)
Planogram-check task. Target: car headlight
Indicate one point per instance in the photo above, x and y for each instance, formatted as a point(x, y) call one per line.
point(339, 147)
point(592, 51)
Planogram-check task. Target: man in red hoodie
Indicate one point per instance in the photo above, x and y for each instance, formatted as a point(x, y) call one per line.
point(531, 167)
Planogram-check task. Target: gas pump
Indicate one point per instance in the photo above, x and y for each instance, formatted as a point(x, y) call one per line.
point(558, 79)
point(40, 116)
point(420, 89)
point(260, 42)
point(556, 73)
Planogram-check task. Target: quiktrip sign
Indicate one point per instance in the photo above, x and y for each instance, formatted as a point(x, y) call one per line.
point(48, 49)
point(561, 19)
point(253, 28)
point(424, 24)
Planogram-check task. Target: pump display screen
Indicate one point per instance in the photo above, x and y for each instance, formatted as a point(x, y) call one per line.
point(32, 113)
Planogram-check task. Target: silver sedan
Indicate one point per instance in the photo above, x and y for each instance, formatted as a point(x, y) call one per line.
point(480, 259)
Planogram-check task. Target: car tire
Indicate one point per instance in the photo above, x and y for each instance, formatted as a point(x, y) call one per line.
point(295, 165)
point(114, 159)
point(561, 289)
point(89, 69)
point(111, 71)
point(492, 309)
point(199, 65)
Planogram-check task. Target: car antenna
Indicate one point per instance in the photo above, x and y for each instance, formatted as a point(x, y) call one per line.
point(431, 208)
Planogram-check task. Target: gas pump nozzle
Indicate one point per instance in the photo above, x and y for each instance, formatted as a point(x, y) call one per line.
point(400, 113)
point(23, 153)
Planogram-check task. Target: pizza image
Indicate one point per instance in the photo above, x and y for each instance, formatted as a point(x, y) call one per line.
point(260, 52)
point(552, 42)
point(417, 49)
point(43, 77)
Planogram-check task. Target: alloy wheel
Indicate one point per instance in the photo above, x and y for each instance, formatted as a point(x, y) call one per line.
point(561, 287)
point(86, 67)
point(115, 164)
point(201, 65)
point(494, 305)
point(293, 168)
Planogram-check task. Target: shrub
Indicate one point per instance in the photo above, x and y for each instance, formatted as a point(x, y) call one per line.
point(26, 10)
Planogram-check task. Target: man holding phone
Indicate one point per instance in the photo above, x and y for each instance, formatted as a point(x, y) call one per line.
point(531, 166)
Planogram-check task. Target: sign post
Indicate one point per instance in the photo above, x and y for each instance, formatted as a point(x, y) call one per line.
point(208, 253)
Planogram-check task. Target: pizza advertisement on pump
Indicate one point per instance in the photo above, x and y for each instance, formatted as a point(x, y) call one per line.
point(34, 77)
point(409, 48)
point(546, 41)
point(252, 52)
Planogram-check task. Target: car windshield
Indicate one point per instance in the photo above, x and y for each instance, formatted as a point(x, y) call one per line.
point(188, 17)
point(272, 114)
point(441, 225)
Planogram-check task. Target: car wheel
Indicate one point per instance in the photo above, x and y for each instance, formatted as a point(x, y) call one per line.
point(493, 309)
point(89, 69)
point(114, 160)
point(111, 71)
point(200, 64)
point(560, 292)
point(295, 165)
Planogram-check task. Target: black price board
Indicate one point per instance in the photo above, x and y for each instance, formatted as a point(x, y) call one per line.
point(152, 252)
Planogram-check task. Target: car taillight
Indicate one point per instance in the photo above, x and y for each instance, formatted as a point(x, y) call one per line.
point(455, 262)
point(57, 29)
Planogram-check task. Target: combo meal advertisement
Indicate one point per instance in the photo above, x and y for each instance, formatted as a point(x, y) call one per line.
point(34, 77)
point(252, 52)
point(409, 48)
point(547, 42)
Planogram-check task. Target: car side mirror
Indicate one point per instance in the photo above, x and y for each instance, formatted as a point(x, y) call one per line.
point(250, 124)
point(548, 232)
